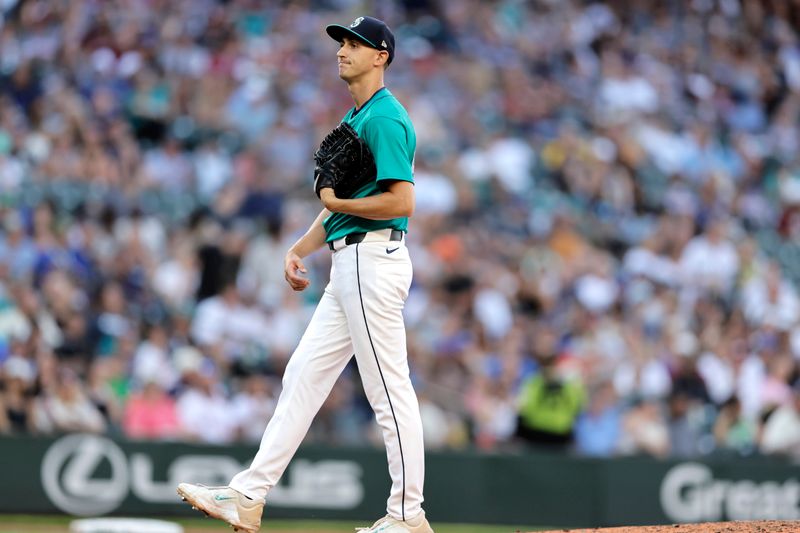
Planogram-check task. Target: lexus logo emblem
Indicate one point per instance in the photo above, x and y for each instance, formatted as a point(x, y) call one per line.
point(71, 480)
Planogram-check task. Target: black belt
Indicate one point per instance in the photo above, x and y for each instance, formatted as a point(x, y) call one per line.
point(355, 238)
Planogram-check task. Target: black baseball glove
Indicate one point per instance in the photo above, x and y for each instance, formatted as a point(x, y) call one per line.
point(343, 162)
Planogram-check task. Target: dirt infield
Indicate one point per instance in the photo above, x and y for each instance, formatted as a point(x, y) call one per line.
point(772, 526)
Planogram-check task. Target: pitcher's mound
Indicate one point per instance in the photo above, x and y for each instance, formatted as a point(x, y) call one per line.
point(769, 526)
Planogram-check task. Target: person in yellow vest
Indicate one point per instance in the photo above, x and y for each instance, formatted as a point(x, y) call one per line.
point(549, 407)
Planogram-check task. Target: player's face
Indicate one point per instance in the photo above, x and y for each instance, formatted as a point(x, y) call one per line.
point(355, 59)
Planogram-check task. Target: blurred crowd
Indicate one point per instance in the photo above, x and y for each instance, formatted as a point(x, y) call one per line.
point(606, 242)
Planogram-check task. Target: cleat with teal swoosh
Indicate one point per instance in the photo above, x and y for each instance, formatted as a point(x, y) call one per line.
point(226, 504)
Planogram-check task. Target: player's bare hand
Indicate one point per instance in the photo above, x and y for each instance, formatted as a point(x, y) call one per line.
point(294, 271)
point(328, 198)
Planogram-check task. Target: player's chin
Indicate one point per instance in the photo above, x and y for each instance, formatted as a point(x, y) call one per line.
point(345, 74)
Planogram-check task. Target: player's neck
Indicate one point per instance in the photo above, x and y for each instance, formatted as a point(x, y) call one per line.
point(362, 89)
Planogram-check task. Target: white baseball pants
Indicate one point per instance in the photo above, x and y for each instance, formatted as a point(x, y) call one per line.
point(360, 312)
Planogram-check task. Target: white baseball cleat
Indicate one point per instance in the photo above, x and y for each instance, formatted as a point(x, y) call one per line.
point(387, 524)
point(226, 504)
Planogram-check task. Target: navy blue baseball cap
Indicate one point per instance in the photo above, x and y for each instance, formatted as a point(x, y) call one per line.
point(370, 31)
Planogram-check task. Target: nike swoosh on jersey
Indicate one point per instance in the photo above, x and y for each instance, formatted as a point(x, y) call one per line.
point(388, 251)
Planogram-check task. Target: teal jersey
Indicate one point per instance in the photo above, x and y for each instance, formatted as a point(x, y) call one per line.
point(385, 126)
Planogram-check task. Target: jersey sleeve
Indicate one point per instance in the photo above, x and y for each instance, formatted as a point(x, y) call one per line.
point(389, 141)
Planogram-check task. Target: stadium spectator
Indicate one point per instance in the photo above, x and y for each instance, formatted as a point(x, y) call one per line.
point(549, 407)
point(203, 408)
point(733, 432)
point(685, 426)
point(18, 375)
point(781, 432)
point(644, 430)
point(253, 406)
point(597, 431)
point(150, 413)
point(67, 408)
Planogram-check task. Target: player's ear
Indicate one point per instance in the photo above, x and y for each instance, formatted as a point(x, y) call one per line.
point(382, 58)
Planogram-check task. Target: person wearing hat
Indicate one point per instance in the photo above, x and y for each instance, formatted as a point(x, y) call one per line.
point(360, 312)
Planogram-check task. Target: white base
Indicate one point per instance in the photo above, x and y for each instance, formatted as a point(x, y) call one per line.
point(123, 525)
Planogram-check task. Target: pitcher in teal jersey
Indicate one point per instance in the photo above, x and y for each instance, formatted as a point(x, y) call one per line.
point(384, 124)
point(361, 310)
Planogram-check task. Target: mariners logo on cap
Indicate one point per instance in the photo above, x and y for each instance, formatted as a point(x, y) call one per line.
point(356, 22)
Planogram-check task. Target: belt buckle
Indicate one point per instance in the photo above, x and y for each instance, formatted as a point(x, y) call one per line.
point(355, 238)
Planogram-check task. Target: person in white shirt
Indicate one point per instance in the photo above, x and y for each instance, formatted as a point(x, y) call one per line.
point(709, 262)
point(204, 410)
point(781, 432)
point(771, 300)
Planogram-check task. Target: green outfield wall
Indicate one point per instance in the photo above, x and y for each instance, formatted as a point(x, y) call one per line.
point(87, 475)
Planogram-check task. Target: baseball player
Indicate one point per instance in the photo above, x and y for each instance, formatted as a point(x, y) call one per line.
point(364, 178)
